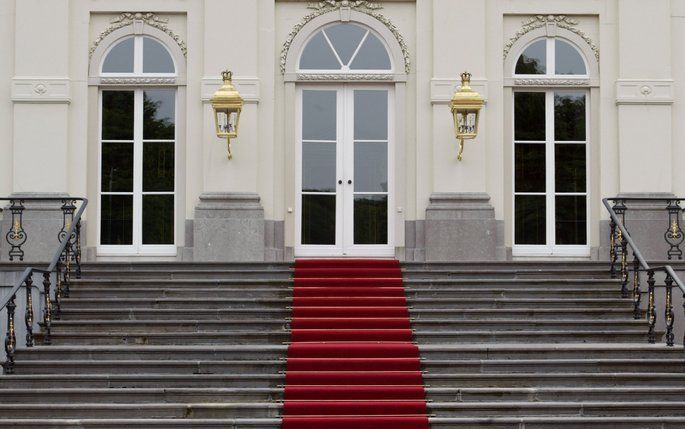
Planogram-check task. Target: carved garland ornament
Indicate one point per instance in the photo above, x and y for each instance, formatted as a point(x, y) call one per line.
point(325, 6)
point(138, 81)
point(343, 76)
point(552, 82)
point(560, 21)
point(148, 18)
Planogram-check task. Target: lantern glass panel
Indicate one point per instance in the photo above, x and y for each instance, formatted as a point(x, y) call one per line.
point(227, 122)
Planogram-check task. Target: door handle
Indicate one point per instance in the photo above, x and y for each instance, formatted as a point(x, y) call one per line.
point(339, 182)
point(349, 182)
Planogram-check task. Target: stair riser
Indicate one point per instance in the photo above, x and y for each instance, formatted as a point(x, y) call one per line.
point(123, 397)
point(260, 326)
point(276, 338)
point(556, 396)
point(284, 293)
point(268, 367)
point(147, 412)
point(281, 314)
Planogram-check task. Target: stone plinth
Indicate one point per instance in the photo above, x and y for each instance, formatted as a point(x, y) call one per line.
point(228, 227)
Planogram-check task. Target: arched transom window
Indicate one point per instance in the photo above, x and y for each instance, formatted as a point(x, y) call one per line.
point(138, 55)
point(551, 56)
point(345, 47)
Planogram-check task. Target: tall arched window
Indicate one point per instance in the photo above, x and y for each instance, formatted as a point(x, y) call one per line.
point(137, 132)
point(551, 134)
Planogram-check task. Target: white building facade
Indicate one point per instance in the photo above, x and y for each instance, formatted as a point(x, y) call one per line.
point(346, 144)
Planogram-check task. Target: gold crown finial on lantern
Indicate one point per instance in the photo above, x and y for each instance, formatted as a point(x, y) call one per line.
point(227, 104)
point(465, 106)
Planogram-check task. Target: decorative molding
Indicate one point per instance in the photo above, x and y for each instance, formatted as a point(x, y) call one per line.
point(130, 18)
point(551, 82)
point(248, 87)
point(344, 76)
point(644, 91)
point(138, 81)
point(325, 6)
point(40, 90)
point(442, 90)
point(560, 21)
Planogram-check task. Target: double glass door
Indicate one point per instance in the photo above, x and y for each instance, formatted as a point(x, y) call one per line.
point(551, 173)
point(344, 184)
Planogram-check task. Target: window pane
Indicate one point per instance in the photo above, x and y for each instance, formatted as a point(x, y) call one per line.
point(158, 219)
point(533, 60)
point(159, 117)
point(530, 219)
point(370, 167)
point(529, 116)
point(319, 115)
point(117, 115)
point(567, 59)
point(318, 167)
point(116, 226)
point(571, 219)
point(318, 219)
point(370, 115)
point(569, 166)
point(345, 38)
point(120, 58)
point(117, 167)
point(529, 175)
point(372, 55)
point(317, 55)
point(569, 116)
point(156, 58)
point(158, 167)
point(370, 219)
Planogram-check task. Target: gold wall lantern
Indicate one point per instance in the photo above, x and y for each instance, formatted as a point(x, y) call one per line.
point(227, 104)
point(465, 105)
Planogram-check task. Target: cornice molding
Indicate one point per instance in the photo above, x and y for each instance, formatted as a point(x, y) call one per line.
point(540, 21)
point(326, 6)
point(131, 18)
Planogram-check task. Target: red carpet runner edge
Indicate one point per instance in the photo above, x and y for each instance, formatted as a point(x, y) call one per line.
point(352, 362)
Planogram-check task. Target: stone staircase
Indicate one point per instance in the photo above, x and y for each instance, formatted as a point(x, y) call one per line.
point(512, 345)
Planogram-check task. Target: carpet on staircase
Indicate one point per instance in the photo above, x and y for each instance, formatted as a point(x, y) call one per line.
point(352, 362)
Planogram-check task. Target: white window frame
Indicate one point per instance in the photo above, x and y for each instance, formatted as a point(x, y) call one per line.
point(550, 248)
point(550, 66)
point(137, 247)
point(137, 58)
point(345, 163)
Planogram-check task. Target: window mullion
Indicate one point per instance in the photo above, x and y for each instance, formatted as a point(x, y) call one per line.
point(549, 156)
point(138, 55)
point(138, 168)
point(551, 60)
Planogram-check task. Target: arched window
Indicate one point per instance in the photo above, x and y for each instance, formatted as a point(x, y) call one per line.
point(138, 55)
point(137, 133)
point(345, 47)
point(551, 56)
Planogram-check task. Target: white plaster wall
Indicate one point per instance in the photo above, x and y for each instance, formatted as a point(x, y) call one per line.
point(6, 72)
point(678, 68)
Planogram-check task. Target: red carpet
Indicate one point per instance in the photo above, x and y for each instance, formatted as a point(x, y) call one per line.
point(352, 363)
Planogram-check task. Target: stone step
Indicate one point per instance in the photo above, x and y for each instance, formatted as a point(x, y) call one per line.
point(430, 351)
point(282, 336)
point(156, 326)
point(278, 303)
point(451, 380)
point(122, 313)
point(213, 395)
point(413, 273)
point(546, 422)
point(86, 292)
point(273, 366)
point(273, 410)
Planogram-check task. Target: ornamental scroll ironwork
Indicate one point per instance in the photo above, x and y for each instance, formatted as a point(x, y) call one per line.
point(16, 236)
point(674, 234)
point(539, 21)
point(127, 18)
point(325, 6)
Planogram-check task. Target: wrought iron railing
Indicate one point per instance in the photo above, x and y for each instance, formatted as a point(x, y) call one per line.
point(56, 277)
point(621, 243)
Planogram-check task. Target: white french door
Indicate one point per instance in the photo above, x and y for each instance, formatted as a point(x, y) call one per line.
point(344, 183)
point(551, 171)
point(136, 210)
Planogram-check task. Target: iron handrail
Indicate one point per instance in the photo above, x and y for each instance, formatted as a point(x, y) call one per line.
point(64, 253)
point(626, 236)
